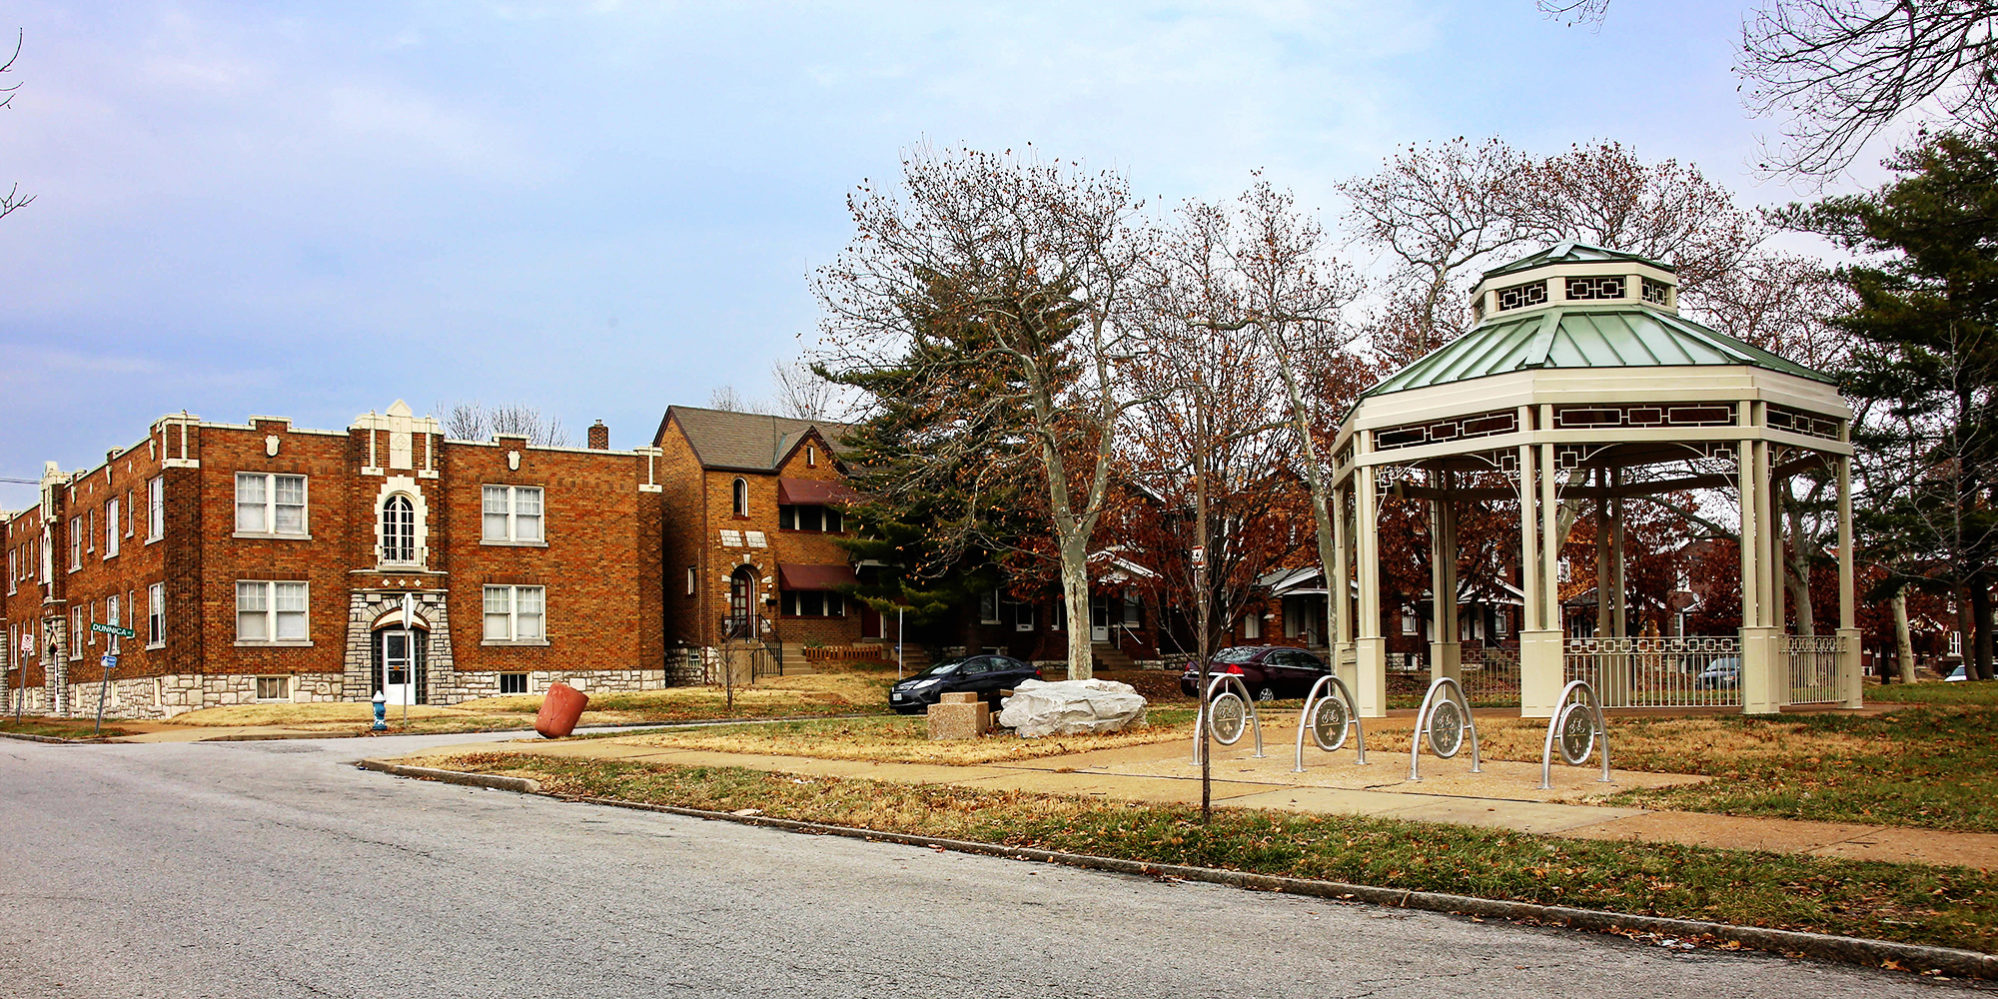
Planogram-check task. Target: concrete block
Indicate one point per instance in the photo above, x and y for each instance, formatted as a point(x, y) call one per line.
point(965, 697)
point(958, 720)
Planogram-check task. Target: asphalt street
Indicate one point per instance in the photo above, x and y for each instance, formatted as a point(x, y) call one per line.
point(277, 869)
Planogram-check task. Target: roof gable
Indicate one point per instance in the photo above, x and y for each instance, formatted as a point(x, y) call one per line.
point(746, 441)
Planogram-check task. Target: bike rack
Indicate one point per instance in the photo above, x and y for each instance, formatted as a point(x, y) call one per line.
point(1425, 726)
point(1311, 704)
point(1575, 751)
point(1202, 721)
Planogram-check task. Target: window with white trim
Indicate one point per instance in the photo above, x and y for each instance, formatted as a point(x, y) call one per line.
point(271, 610)
point(110, 529)
point(273, 688)
point(515, 613)
point(156, 615)
point(268, 503)
point(988, 607)
point(90, 533)
point(740, 496)
point(1252, 625)
point(511, 515)
point(398, 530)
point(155, 508)
point(1408, 625)
point(13, 568)
point(1023, 617)
point(693, 581)
point(813, 603)
point(75, 543)
point(131, 513)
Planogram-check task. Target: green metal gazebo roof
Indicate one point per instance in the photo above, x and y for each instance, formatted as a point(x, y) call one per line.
point(1572, 252)
point(1619, 335)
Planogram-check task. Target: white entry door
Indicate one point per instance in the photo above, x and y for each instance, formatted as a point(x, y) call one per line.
point(1099, 619)
point(399, 678)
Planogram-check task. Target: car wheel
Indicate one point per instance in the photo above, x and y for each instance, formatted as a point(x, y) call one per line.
point(1265, 693)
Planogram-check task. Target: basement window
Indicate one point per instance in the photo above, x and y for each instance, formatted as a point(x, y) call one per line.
point(513, 683)
point(273, 688)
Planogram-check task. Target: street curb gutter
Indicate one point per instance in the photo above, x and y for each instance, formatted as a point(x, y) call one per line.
point(496, 782)
point(53, 739)
point(1822, 946)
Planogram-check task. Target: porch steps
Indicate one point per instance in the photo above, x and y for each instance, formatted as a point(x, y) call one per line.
point(1107, 656)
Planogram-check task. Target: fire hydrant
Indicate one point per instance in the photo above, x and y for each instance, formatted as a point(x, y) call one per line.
point(381, 712)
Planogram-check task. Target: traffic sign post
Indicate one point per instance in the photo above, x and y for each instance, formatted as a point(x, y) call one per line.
point(110, 663)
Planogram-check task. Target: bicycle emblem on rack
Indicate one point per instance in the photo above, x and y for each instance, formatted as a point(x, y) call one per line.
point(1330, 714)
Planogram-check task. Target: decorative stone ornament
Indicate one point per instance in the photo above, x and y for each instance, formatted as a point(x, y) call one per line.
point(513, 460)
point(271, 445)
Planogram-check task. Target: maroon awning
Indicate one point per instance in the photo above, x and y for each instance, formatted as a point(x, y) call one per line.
point(815, 577)
point(816, 492)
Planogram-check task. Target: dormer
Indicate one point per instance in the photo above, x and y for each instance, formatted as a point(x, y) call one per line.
point(1570, 274)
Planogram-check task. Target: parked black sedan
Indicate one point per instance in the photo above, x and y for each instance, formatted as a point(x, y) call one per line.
point(984, 675)
point(1269, 671)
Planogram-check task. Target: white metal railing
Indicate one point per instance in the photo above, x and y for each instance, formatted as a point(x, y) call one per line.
point(1813, 668)
point(1490, 675)
point(1664, 672)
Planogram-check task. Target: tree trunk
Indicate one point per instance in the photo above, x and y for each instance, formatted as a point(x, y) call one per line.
point(1904, 647)
point(1075, 591)
point(1980, 622)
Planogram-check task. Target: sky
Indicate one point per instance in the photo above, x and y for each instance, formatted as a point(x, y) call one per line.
point(602, 209)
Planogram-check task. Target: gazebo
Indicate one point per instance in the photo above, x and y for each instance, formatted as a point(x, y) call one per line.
point(1581, 386)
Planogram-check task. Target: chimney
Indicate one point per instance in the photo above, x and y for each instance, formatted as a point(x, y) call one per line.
point(599, 436)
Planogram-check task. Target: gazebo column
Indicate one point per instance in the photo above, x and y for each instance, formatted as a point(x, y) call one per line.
point(1338, 588)
point(1851, 682)
point(1764, 667)
point(1619, 586)
point(1445, 654)
point(1540, 639)
point(1370, 648)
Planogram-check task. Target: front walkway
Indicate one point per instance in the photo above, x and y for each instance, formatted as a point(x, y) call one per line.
point(1506, 795)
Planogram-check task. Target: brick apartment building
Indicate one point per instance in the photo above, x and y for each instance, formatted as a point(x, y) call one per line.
point(263, 561)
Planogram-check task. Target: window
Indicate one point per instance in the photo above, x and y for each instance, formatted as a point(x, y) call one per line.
point(741, 492)
point(90, 533)
point(813, 603)
point(13, 568)
point(131, 513)
point(1499, 624)
point(513, 683)
point(692, 580)
point(112, 611)
point(811, 456)
point(514, 613)
point(156, 615)
point(1058, 621)
point(270, 504)
point(398, 530)
point(809, 518)
point(110, 529)
point(1408, 626)
point(270, 611)
point(75, 543)
point(511, 515)
point(1133, 613)
point(273, 688)
point(75, 632)
point(155, 508)
point(1252, 625)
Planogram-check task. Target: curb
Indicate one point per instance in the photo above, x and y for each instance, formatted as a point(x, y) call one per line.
point(1822, 946)
point(498, 783)
point(55, 739)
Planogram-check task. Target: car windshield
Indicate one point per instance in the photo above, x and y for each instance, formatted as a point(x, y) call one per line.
point(940, 669)
point(1238, 654)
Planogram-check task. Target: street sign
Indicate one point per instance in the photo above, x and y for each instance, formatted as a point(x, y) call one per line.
point(1199, 556)
point(110, 660)
point(112, 629)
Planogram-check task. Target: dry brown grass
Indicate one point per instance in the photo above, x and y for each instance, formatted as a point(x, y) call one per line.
point(342, 713)
point(902, 740)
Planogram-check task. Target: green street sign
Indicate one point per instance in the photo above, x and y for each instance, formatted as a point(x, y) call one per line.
point(112, 629)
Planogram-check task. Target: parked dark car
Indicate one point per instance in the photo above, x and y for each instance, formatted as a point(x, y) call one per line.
point(984, 675)
point(1721, 673)
point(1269, 671)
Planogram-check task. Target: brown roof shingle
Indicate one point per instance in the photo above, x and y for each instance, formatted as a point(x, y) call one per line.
point(749, 441)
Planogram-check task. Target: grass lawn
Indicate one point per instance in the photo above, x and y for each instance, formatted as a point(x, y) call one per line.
point(60, 728)
point(1954, 907)
point(849, 691)
point(904, 740)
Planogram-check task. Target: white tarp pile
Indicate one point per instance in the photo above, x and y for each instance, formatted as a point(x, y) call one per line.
point(1072, 707)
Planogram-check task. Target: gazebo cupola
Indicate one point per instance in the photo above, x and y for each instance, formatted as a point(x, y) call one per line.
point(1581, 387)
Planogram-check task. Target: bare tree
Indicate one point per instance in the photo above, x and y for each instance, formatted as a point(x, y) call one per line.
point(1840, 71)
point(725, 397)
point(802, 394)
point(476, 421)
point(1002, 285)
point(12, 200)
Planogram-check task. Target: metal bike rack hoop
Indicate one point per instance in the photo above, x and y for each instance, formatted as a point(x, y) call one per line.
point(1311, 704)
point(1201, 721)
point(1452, 696)
point(1565, 709)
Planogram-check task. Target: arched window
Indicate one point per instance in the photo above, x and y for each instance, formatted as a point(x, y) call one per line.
point(742, 497)
point(398, 530)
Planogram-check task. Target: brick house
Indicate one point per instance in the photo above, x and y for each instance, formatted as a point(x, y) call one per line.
point(265, 562)
point(755, 507)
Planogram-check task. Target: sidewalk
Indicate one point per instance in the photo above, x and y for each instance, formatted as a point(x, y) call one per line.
point(1505, 795)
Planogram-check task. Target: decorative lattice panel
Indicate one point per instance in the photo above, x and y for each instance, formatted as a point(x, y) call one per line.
point(1520, 296)
point(1799, 422)
point(1657, 292)
point(1458, 428)
point(1684, 414)
point(1587, 289)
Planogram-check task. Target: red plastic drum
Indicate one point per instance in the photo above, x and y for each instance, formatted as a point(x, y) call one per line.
point(559, 711)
